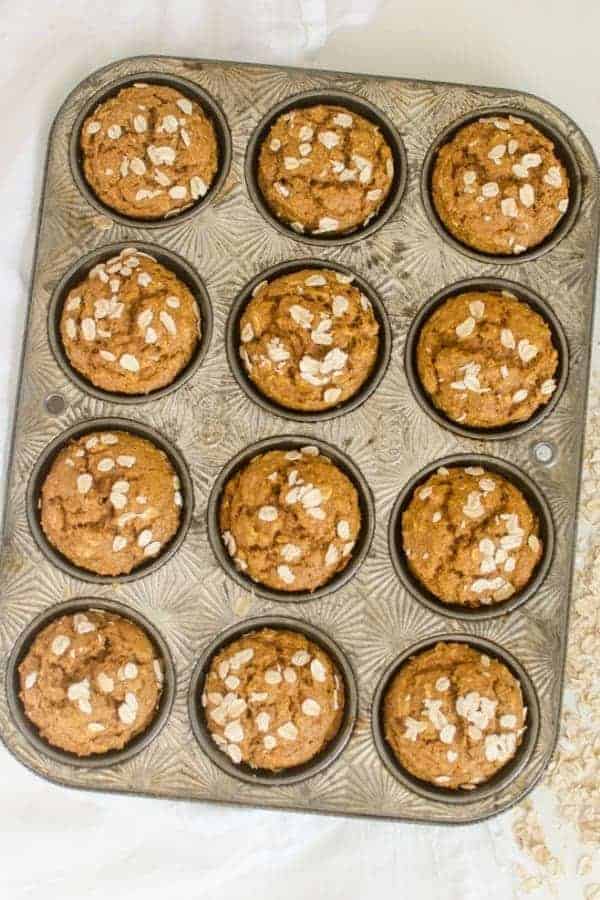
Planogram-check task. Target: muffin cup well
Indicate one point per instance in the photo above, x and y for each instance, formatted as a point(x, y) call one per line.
point(42, 467)
point(345, 464)
point(532, 494)
point(243, 771)
point(505, 776)
point(361, 107)
point(80, 269)
point(27, 727)
point(563, 151)
point(188, 89)
point(536, 303)
point(232, 340)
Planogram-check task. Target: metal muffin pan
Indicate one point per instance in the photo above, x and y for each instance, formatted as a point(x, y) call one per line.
point(496, 285)
point(79, 271)
point(29, 730)
point(531, 493)
point(345, 464)
point(563, 151)
point(504, 775)
point(260, 776)
point(245, 382)
point(188, 89)
point(361, 107)
point(190, 597)
point(42, 467)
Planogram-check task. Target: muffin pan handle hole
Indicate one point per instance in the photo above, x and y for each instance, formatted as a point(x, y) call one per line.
point(544, 453)
point(55, 404)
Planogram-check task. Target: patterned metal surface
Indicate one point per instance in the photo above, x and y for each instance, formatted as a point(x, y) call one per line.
point(190, 599)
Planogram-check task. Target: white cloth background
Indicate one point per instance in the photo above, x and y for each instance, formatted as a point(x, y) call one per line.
point(67, 845)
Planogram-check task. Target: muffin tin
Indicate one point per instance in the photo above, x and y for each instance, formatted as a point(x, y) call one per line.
point(189, 597)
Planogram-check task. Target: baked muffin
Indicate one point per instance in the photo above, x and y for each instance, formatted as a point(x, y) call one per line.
point(487, 359)
point(149, 151)
point(470, 537)
point(309, 340)
point(454, 717)
point(91, 682)
point(273, 699)
point(131, 326)
point(110, 502)
point(498, 185)
point(290, 519)
point(324, 169)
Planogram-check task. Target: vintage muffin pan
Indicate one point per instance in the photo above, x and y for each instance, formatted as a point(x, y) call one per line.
point(191, 600)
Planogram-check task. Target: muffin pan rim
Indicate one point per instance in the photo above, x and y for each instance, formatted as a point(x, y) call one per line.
point(42, 466)
point(290, 442)
point(176, 264)
point(516, 476)
point(495, 284)
point(368, 387)
point(330, 752)
point(360, 105)
point(504, 776)
point(565, 154)
point(29, 730)
point(210, 106)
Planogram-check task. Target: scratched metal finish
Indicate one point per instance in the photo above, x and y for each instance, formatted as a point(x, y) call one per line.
point(190, 599)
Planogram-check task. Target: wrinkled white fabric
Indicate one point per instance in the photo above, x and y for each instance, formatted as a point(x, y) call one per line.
point(67, 845)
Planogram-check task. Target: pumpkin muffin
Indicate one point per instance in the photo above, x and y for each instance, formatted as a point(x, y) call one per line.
point(487, 359)
point(324, 169)
point(131, 326)
point(290, 519)
point(309, 340)
point(470, 537)
point(454, 717)
point(91, 682)
point(498, 185)
point(273, 699)
point(110, 502)
point(149, 152)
